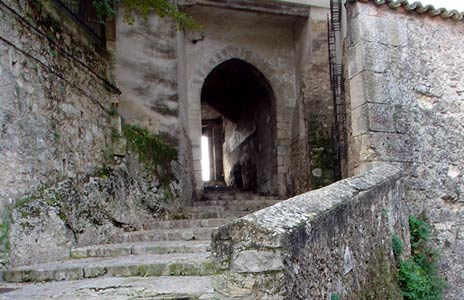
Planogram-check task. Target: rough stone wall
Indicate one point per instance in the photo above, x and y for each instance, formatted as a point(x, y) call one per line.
point(52, 110)
point(407, 103)
point(61, 183)
point(312, 156)
point(249, 150)
point(75, 213)
point(332, 243)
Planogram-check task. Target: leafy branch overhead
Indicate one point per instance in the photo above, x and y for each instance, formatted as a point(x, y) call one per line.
point(144, 8)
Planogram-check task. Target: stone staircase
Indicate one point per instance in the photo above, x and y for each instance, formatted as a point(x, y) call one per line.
point(166, 260)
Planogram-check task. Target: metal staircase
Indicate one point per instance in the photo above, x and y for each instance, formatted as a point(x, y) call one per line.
point(337, 84)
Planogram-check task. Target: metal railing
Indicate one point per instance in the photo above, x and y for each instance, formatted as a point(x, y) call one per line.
point(337, 85)
point(84, 14)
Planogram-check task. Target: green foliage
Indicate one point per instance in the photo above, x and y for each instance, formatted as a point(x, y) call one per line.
point(420, 233)
point(153, 150)
point(418, 276)
point(335, 297)
point(397, 245)
point(4, 234)
point(105, 7)
point(113, 111)
point(179, 216)
point(144, 8)
point(103, 172)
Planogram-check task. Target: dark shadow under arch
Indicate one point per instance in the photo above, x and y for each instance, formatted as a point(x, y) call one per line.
point(238, 101)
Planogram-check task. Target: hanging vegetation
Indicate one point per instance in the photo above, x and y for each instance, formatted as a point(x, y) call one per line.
point(144, 8)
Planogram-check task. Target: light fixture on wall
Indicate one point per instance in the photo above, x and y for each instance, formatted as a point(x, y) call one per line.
point(194, 36)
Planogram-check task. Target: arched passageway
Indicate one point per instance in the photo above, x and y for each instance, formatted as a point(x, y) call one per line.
point(238, 118)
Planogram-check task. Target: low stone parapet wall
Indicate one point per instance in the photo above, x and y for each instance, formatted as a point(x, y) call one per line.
point(331, 243)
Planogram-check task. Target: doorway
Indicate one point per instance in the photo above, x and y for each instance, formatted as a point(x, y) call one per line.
point(239, 124)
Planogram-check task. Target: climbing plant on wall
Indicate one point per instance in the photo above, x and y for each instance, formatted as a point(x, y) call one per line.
point(143, 8)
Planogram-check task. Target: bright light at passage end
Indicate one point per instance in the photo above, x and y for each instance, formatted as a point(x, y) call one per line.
point(205, 158)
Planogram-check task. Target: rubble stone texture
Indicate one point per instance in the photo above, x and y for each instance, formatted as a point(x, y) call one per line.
point(53, 126)
point(58, 136)
point(327, 242)
point(58, 133)
point(407, 102)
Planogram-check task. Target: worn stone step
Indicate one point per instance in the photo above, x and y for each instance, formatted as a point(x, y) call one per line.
point(236, 204)
point(218, 208)
point(117, 288)
point(133, 265)
point(238, 198)
point(219, 214)
point(187, 223)
point(218, 195)
point(181, 234)
point(157, 247)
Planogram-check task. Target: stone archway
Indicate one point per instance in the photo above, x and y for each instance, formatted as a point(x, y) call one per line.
point(238, 117)
point(195, 85)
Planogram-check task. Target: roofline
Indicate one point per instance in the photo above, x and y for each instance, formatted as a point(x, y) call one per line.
point(418, 8)
point(299, 8)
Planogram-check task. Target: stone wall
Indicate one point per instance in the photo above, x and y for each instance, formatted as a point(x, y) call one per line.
point(407, 105)
point(53, 117)
point(332, 243)
point(312, 146)
point(80, 212)
point(65, 181)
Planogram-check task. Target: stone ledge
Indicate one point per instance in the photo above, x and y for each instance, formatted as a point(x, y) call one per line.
point(314, 239)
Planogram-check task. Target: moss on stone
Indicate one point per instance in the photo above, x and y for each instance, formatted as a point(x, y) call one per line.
point(154, 150)
point(381, 283)
point(322, 157)
point(397, 245)
point(419, 275)
point(5, 235)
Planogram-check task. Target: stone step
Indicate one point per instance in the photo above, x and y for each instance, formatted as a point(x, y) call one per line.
point(178, 264)
point(220, 209)
point(158, 247)
point(237, 196)
point(219, 196)
point(236, 203)
point(181, 234)
point(187, 223)
point(219, 214)
point(117, 288)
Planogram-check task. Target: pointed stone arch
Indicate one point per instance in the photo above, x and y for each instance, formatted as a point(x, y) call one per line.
point(195, 84)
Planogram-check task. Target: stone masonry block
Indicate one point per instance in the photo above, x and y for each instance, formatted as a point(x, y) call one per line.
point(383, 30)
point(357, 90)
point(360, 120)
point(252, 261)
point(355, 60)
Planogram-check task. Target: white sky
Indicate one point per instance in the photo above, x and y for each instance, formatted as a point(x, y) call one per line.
point(449, 4)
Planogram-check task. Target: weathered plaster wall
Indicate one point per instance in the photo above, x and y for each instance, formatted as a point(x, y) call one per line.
point(407, 103)
point(146, 60)
point(52, 110)
point(266, 42)
point(145, 64)
point(332, 243)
